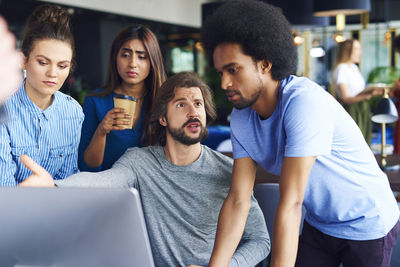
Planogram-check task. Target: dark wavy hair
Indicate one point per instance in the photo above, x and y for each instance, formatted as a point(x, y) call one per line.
point(157, 132)
point(47, 22)
point(259, 28)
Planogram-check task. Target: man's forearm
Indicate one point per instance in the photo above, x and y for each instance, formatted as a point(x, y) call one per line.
point(231, 224)
point(113, 178)
point(286, 235)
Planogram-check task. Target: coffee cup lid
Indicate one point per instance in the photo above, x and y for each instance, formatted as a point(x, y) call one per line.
point(125, 97)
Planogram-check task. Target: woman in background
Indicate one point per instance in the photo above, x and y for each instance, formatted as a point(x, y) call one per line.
point(42, 122)
point(135, 69)
point(350, 86)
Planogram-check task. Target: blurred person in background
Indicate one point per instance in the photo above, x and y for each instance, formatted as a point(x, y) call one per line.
point(350, 85)
point(10, 61)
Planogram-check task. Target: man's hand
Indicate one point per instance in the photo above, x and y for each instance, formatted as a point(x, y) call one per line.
point(10, 61)
point(39, 178)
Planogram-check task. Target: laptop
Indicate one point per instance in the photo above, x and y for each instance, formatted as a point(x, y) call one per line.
point(74, 227)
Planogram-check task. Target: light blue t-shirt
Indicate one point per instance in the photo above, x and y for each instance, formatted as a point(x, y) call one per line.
point(347, 195)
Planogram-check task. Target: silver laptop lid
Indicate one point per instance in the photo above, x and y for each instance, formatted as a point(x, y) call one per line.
point(72, 227)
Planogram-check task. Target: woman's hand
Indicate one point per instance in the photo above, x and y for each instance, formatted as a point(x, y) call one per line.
point(115, 119)
point(376, 91)
point(366, 95)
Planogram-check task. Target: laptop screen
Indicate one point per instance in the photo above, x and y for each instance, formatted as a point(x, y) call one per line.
point(72, 227)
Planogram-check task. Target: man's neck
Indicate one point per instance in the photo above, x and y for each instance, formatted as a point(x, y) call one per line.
point(180, 154)
point(268, 100)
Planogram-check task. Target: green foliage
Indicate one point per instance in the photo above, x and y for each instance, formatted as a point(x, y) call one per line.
point(385, 75)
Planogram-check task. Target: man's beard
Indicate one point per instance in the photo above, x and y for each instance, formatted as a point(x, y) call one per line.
point(247, 102)
point(179, 135)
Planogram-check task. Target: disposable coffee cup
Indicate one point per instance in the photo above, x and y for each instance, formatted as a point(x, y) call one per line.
point(128, 103)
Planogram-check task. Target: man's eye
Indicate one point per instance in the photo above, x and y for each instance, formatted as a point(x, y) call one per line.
point(199, 104)
point(41, 62)
point(180, 105)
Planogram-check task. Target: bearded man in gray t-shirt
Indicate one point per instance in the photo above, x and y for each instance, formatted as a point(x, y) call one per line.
point(182, 183)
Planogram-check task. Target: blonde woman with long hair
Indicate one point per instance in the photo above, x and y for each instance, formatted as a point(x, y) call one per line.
point(350, 85)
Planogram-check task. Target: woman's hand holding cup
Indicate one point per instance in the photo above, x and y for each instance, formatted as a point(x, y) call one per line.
point(115, 119)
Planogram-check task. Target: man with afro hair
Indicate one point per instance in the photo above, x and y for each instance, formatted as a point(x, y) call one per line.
point(293, 128)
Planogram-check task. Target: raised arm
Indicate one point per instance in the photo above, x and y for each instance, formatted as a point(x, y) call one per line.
point(94, 132)
point(292, 185)
point(94, 153)
point(121, 175)
point(234, 212)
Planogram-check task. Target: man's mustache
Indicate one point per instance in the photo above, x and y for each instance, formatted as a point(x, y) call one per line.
point(232, 91)
point(191, 121)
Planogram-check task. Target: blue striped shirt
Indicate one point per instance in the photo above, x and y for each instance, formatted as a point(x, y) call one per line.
point(50, 137)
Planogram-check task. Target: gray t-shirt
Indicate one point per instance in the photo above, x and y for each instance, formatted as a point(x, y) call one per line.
point(181, 204)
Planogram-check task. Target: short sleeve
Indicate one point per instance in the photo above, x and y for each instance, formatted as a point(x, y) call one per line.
point(308, 125)
point(238, 150)
point(341, 75)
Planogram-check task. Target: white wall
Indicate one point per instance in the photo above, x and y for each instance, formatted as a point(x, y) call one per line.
point(181, 12)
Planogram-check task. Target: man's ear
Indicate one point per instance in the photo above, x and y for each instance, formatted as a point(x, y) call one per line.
point(163, 121)
point(265, 66)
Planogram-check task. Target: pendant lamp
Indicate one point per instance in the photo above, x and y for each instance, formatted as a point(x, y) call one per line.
point(345, 7)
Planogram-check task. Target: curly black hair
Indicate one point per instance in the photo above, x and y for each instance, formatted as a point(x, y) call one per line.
point(259, 28)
